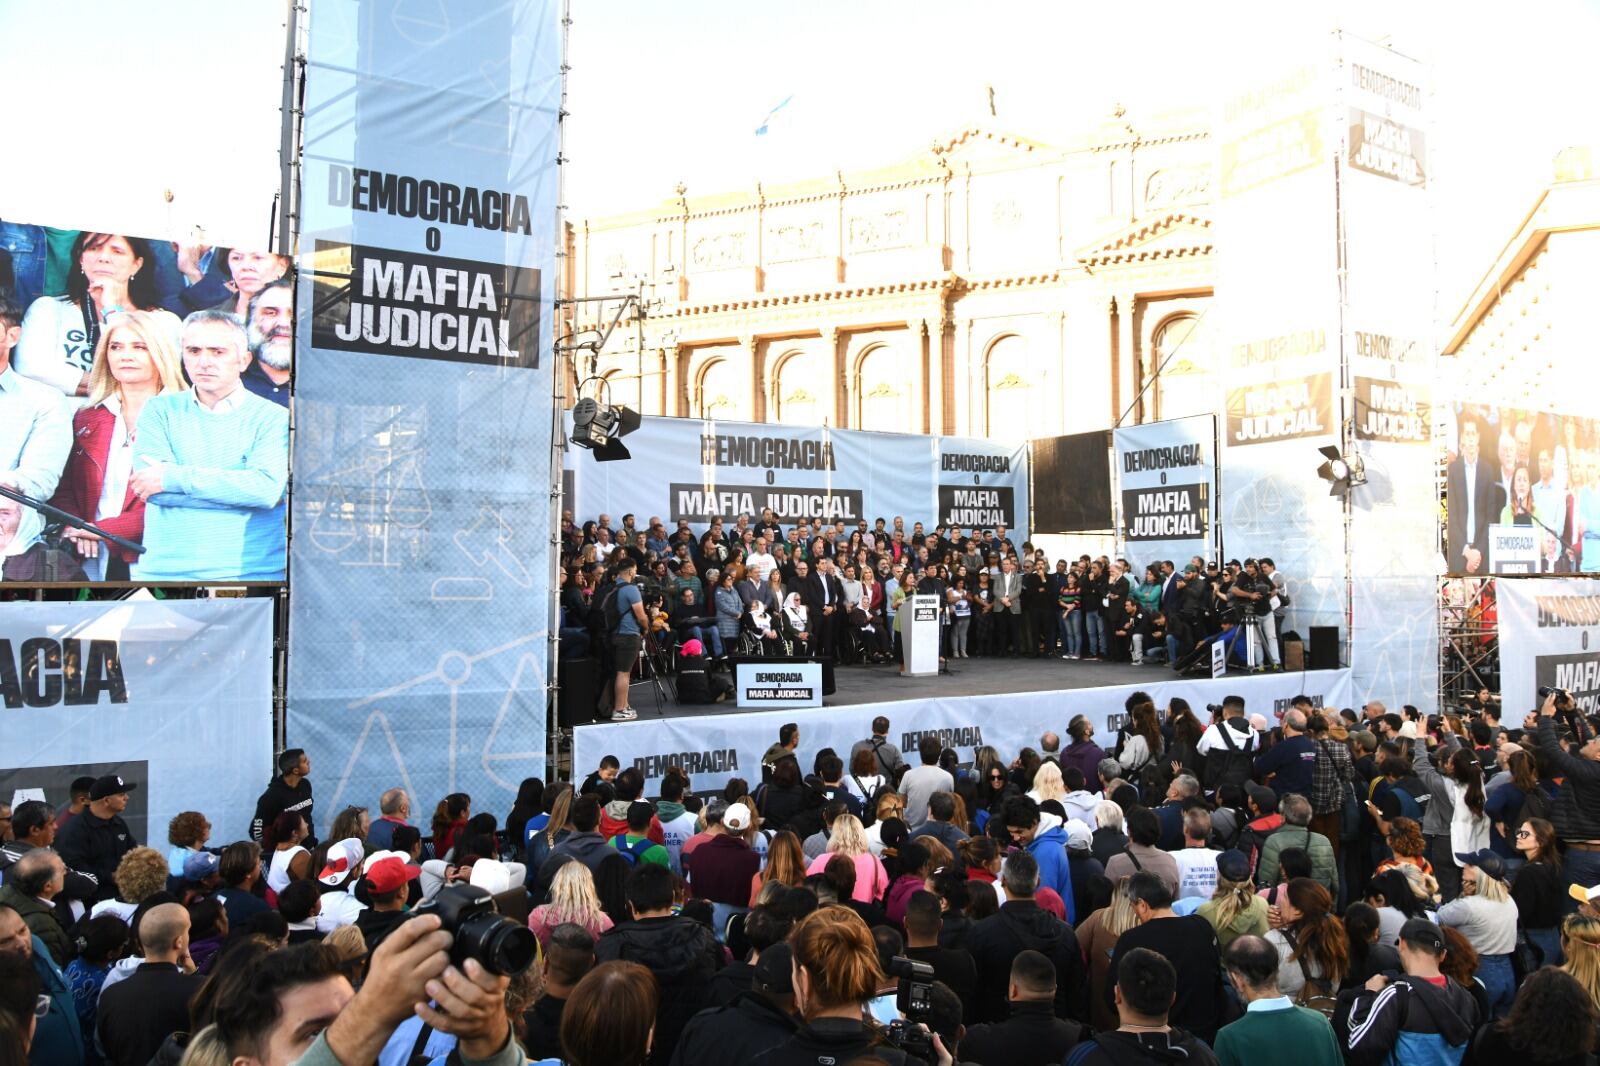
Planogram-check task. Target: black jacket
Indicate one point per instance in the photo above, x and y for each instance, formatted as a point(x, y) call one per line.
point(832, 1042)
point(137, 1015)
point(95, 846)
point(730, 981)
point(1575, 811)
point(375, 924)
point(683, 955)
point(278, 798)
point(735, 1033)
point(79, 886)
point(1022, 925)
point(1032, 1036)
point(1369, 1024)
point(541, 1037)
point(1117, 1048)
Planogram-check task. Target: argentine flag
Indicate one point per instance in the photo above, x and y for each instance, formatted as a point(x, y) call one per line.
point(766, 123)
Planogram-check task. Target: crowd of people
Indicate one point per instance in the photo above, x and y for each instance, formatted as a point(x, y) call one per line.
point(1363, 885)
point(144, 389)
point(823, 590)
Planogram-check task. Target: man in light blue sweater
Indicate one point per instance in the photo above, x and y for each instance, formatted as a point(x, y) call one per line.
point(212, 464)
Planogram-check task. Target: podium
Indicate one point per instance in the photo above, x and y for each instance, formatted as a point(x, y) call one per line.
point(919, 635)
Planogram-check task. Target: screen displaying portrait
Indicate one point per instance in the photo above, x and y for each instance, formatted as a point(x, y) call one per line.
point(1522, 492)
point(144, 392)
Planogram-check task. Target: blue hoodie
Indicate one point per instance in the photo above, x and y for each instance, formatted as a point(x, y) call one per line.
point(1049, 849)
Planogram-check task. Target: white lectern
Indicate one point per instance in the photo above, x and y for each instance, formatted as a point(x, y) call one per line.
point(919, 635)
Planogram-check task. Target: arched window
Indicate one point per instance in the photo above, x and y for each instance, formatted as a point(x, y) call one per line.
point(801, 395)
point(1010, 389)
point(717, 392)
point(1181, 358)
point(883, 394)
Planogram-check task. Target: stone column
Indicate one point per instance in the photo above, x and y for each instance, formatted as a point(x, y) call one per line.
point(757, 377)
point(834, 359)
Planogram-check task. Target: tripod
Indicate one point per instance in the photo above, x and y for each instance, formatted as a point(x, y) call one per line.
point(650, 675)
point(1255, 635)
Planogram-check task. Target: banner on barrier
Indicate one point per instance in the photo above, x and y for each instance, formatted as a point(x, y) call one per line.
point(423, 417)
point(174, 696)
point(714, 749)
point(1549, 638)
point(1167, 474)
point(779, 685)
point(692, 470)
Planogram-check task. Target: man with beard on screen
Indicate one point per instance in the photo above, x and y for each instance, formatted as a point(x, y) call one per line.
point(271, 329)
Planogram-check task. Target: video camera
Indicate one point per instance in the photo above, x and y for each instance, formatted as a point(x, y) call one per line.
point(914, 1000)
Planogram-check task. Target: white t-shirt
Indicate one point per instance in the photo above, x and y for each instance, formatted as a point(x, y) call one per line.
point(673, 835)
point(278, 868)
point(338, 908)
point(1197, 872)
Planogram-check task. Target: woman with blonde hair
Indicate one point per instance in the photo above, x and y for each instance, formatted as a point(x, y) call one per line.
point(572, 899)
point(1580, 943)
point(1097, 937)
point(847, 838)
point(1234, 909)
point(1047, 784)
point(786, 864)
point(1487, 916)
point(890, 805)
point(140, 874)
point(135, 359)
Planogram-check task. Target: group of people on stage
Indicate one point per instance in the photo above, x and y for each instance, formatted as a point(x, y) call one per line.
point(144, 388)
point(824, 589)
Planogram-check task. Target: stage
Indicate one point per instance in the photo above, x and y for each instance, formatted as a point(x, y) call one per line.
point(1008, 703)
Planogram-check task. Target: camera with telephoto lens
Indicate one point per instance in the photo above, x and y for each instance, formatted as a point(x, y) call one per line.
point(1215, 709)
point(914, 1000)
point(467, 913)
point(1561, 694)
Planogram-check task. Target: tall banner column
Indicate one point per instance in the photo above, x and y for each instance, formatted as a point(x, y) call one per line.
point(420, 571)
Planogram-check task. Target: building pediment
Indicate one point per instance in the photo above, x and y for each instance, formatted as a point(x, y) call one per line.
point(979, 145)
point(1172, 235)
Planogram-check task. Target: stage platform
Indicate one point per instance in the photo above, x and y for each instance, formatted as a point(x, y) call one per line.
point(967, 677)
point(1007, 703)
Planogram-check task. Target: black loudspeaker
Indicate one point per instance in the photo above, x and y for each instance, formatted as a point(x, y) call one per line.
point(579, 693)
point(1324, 654)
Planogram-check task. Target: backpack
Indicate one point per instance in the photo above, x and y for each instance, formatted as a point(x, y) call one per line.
point(1535, 804)
point(1232, 767)
point(635, 851)
point(1409, 807)
point(869, 806)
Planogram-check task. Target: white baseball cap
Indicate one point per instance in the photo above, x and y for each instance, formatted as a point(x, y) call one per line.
point(736, 818)
point(344, 859)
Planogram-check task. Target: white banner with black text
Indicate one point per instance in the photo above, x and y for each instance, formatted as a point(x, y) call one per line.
point(1549, 638)
point(1167, 475)
point(716, 748)
point(693, 470)
point(174, 696)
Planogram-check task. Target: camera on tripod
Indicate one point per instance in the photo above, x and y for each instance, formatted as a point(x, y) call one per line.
point(914, 1000)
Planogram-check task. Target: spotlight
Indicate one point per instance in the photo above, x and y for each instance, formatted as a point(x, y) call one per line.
point(598, 427)
point(1344, 472)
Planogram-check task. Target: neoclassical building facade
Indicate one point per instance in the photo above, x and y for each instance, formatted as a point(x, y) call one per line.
point(990, 286)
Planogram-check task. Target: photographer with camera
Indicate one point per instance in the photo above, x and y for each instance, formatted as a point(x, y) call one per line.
point(1575, 810)
point(443, 966)
point(836, 972)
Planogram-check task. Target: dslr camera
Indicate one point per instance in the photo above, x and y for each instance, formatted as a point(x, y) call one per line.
point(1215, 709)
point(914, 1000)
point(500, 945)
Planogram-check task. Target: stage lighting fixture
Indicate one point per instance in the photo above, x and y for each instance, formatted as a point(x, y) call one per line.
point(599, 427)
point(1344, 472)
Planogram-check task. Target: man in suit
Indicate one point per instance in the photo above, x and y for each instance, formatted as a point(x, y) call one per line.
point(1470, 490)
point(1504, 476)
point(1008, 608)
point(823, 596)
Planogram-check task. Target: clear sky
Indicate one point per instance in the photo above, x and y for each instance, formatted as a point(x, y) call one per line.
point(662, 92)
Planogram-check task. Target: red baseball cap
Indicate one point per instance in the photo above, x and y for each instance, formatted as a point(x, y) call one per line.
point(389, 875)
